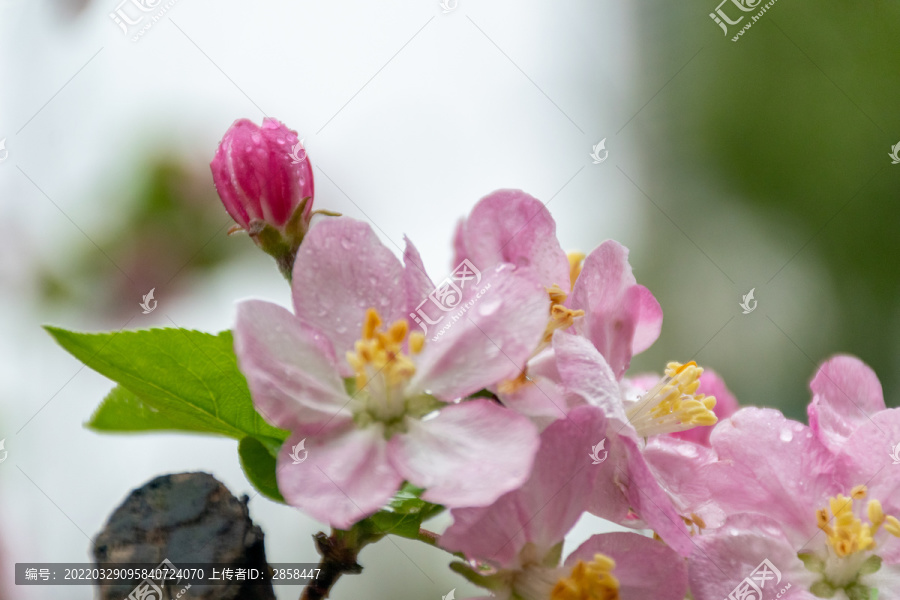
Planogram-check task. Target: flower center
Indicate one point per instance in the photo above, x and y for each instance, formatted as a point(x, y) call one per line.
point(561, 317)
point(848, 534)
point(673, 404)
point(382, 368)
point(849, 541)
point(589, 581)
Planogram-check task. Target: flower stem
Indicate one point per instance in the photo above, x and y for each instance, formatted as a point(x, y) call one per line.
point(339, 552)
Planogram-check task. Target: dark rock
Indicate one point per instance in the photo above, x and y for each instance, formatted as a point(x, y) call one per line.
point(184, 518)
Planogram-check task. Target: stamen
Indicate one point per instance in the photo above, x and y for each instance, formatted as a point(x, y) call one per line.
point(673, 404)
point(379, 362)
point(847, 534)
point(593, 580)
point(576, 260)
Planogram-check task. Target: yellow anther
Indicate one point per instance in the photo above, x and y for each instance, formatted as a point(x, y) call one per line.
point(876, 514)
point(560, 316)
point(589, 581)
point(416, 342)
point(847, 533)
point(557, 296)
point(380, 353)
point(673, 404)
point(576, 259)
point(892, 526)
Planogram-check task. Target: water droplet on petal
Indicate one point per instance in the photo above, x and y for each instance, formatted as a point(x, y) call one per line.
point(786, 435)
point(488, 308)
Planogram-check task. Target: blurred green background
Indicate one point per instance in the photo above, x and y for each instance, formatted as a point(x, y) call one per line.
point(771, 154)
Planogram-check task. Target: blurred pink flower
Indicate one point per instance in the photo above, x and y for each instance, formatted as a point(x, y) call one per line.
point(396, 416)
point(520, 536)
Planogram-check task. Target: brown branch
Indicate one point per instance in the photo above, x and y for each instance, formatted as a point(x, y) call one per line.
point(339, 552)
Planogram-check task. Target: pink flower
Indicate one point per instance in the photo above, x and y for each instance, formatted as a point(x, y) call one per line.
point(257, 176)
point(825, 518)
point(376, 403)
point(606, 304)
point(519, 538)
point(265, 181)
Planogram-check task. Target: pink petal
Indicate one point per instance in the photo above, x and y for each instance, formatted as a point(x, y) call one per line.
point(511, 226)
point(676, 464)
point(418, 284)
point(342, 269)
point(644, 567)
point(585, 373)
point(346, 476)
point(770, 464)
point(865, 458)
point(642, 494)
point(468, 455)
point(649, 322)
point(726, 405)
point(612, 302)
point(725, 557)
point(546, 507)
point(290, 367)
point(486, 340)
point(542, 398)
point(846, 392)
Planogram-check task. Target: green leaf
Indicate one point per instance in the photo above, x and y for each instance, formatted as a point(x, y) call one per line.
point(122, 411)
point(190, 378)
point(259, 466)
point(404, 515)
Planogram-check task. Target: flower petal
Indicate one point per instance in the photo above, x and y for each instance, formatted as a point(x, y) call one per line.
point(346, 476)
point(585, 373)
point(641, 493)
point(546, 507)
point(342, 269)
point(866, 458)
point(290, 367)
point(612, 302)
point(725, 557)
point(488, 339)
point(649, 321)
point(511, 226)
point(770, 464)
point(676, 463)
point(645, 568)
point(468, 455)
point(418, 284)
point(846, 392)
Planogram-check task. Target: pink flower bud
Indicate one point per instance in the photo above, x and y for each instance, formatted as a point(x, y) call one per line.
point(262, 174)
